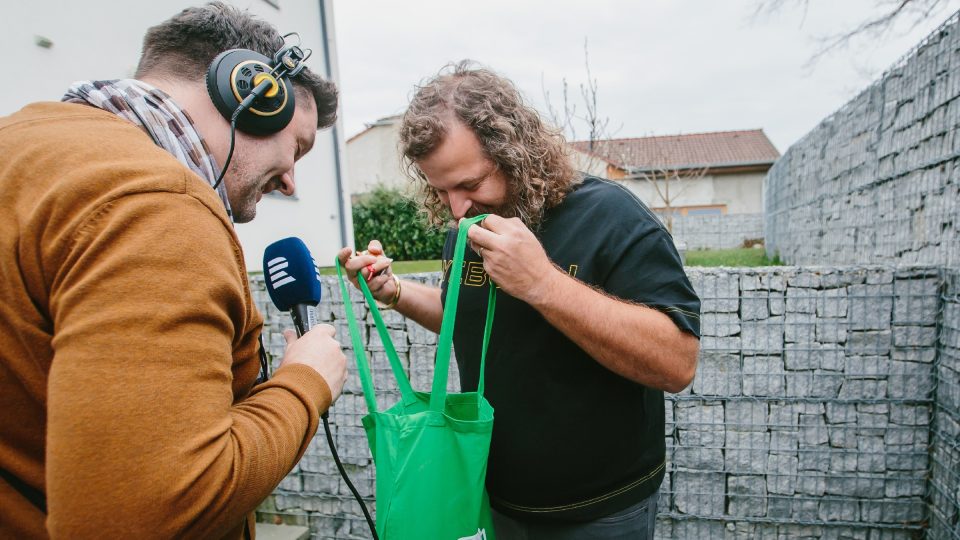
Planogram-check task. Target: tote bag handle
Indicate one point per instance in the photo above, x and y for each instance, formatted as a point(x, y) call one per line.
point(363, 367)
point(438, 394)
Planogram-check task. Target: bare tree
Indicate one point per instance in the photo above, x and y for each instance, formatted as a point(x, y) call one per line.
point(668, 183)
point(567, 118)
point(891, 12)
point(563, 120)
point(596, 125)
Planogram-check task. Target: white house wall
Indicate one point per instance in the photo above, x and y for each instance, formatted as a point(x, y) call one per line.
point(375, 159)
point(691, 192)
point(741, 193)
point(101, 39)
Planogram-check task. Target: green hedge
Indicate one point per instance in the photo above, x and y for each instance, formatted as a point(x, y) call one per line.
point(389, 216)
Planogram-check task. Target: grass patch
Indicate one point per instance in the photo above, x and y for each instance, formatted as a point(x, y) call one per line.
point(699, 257)
point(731, 257)
point(399, 267)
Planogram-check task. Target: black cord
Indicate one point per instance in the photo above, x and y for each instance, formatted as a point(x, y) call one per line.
point(343, 474)
point(333, 448)
point(264, 363)
point(247, 102)
point(233, 133)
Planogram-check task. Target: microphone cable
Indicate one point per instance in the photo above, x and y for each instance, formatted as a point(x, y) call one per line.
point(343, 474)
point(233, 134)
point(264, 375)
point(247, 102)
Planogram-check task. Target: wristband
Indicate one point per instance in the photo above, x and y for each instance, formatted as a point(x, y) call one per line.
point(396, 295)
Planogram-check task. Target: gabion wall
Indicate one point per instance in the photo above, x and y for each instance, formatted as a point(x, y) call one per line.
point(944, 488)
point(810, 415)
point(879, 180)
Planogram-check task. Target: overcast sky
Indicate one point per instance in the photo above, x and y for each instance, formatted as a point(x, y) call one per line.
point(662, 66)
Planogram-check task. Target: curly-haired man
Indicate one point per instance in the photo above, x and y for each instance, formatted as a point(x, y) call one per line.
point(596, 318)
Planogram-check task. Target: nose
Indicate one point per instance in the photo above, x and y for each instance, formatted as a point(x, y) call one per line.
point(287, 185)
point(459, 205)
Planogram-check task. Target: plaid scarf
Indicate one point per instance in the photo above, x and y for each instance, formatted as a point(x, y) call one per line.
point(155, 112)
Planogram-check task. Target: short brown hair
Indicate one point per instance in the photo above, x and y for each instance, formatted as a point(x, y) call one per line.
point(185, 45)
point(532, 154)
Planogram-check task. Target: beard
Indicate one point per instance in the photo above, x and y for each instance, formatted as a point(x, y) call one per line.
point(510, 208)
point(476, 210)
point(242, 191)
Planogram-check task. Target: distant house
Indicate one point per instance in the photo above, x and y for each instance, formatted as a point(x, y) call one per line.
point(374, 159)
point(697, 174)
point(712, 173)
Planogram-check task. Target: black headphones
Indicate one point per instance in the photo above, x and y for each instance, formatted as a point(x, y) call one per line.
point(254, 92)
point(234, 75)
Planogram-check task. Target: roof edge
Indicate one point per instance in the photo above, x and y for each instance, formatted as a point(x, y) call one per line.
point(686, 167)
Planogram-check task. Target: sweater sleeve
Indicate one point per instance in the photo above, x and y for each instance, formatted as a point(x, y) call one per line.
point(145, 436)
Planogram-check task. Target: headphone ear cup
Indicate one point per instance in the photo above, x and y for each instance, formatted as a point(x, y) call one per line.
point(230, 79)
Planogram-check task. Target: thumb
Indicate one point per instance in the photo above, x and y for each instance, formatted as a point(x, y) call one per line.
point(290, 336)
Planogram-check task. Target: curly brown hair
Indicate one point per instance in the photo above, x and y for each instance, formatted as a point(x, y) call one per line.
point(532, 155)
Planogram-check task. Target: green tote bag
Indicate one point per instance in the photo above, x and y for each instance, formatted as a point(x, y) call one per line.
point(430, 449)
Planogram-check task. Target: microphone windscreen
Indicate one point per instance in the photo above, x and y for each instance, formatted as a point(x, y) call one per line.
point(291, 274)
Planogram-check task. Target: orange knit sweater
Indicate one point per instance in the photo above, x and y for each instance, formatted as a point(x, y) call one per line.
point(128, 343)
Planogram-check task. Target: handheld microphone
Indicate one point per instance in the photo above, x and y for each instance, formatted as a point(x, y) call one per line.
point(293, 281)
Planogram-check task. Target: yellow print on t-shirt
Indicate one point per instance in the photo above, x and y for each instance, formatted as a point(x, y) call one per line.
point(473, 274)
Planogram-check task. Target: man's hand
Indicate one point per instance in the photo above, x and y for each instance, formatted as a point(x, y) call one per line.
point(319, 350)
point(513, 257)
point(371, 262)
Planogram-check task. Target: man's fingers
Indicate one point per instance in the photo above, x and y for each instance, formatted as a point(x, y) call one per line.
point(344, 255)
point(375, 247)
point(376, 267)
point(290, 336)
point(494, 223)
point(481, 237)
point(323, 329)
point(360, 261)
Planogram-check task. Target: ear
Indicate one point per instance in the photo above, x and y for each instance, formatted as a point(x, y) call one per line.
point(233, 75)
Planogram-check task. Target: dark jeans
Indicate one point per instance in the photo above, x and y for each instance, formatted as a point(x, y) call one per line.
point(634, 523)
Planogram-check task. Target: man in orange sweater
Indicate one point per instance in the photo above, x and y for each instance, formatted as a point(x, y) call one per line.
point(128, 336)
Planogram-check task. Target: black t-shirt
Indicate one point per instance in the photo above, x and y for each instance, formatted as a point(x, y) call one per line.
point(573, 440)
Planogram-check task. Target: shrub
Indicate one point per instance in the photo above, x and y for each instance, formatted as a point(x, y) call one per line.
point(392, 218)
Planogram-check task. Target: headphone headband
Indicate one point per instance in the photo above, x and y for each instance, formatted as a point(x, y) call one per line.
point(291, 59)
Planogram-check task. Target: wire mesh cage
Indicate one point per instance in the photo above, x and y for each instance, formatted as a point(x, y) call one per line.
point(814, 411)
point(809, 415)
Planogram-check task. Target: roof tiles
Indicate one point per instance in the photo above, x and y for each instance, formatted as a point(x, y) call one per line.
point(695, 150)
